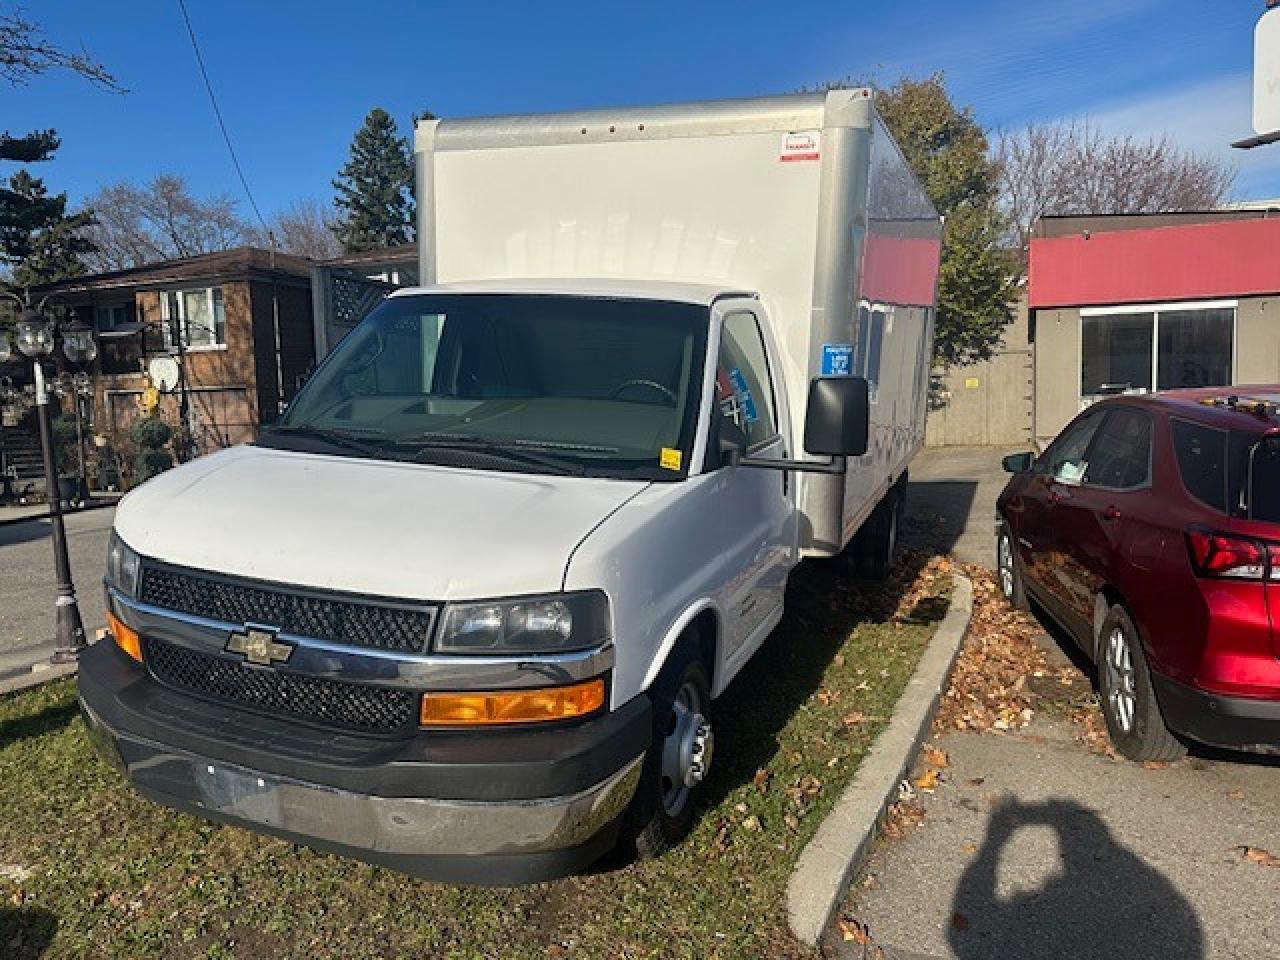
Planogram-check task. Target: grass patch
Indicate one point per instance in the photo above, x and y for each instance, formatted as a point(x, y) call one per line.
point(87, 868)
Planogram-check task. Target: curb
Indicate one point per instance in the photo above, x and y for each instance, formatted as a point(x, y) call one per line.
point(41, 673)
point(94, 505)
point(840, 846)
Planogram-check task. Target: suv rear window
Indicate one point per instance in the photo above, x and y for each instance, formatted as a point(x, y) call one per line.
point(1202, 461)
point(1264, 484)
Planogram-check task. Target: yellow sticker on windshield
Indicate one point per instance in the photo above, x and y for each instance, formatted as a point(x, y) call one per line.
point(670, 459)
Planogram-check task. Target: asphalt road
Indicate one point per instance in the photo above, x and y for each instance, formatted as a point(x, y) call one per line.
point(27, 584)
point(1033, 846)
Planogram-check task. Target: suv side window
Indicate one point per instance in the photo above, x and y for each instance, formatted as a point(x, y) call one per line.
point(1064, 461)
point(1202, 461)
point(743, 389)
point(1121, 455)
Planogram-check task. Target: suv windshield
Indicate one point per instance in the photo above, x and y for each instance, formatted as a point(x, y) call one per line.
point(539, 384)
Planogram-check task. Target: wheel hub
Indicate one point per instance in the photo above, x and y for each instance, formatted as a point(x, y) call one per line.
point(1121, 692)
point(686, 751)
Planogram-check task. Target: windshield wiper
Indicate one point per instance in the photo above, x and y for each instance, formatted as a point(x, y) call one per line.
point(338, 439)
point(516, 452)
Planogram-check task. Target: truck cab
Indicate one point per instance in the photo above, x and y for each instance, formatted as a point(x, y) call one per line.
point(464, 610)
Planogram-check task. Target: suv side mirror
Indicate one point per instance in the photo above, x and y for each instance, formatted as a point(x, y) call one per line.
point(839, 417)
point(1018, 462)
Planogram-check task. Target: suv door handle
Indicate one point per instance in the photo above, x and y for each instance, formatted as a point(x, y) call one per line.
point(1111, 513)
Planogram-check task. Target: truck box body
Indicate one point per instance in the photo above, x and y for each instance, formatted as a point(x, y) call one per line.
point(804, 200)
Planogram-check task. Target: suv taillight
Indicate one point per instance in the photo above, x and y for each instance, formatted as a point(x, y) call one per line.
point(1228, 555)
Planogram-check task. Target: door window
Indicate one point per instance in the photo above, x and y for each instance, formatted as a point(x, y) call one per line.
point(743, 388)
point(1121, 454)
point(1065, 461)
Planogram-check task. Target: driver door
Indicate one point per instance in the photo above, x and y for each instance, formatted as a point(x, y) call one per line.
point(755, 507)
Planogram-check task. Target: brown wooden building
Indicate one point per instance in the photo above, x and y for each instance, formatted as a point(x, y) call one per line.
point(238, 323)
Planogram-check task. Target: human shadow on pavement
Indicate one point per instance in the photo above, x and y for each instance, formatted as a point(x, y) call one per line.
point(1104, 900)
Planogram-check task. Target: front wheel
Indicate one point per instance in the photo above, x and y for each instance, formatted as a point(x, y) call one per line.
point(1009, 570)
point(1129, 704)
point(678, 759)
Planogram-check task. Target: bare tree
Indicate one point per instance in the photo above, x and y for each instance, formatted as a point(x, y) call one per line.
point(1071, 167)
point(160, 220)
point(25, 53)
point(305, 229)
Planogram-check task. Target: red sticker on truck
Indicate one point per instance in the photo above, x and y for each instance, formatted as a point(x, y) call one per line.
point(800, 146)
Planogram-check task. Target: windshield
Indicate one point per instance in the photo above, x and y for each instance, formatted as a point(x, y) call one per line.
point(531, 383)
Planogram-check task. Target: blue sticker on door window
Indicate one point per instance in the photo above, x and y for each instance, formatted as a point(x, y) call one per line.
point(744, 393)
point(837, 359)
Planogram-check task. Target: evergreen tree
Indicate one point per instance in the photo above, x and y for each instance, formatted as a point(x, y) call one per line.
point(39, 241)
point(374, 202)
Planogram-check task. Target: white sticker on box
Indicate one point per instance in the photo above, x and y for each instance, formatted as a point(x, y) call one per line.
point(801, 145)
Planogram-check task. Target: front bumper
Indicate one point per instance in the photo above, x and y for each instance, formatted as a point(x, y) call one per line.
point(1233, 723)
point(493, 807)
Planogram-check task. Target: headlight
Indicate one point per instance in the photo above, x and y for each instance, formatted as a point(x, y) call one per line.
point(123, 566)
point(559, 623)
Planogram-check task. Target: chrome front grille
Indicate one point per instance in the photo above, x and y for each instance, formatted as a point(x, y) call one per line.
point(379, 624)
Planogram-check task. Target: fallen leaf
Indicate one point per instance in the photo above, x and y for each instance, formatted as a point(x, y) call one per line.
point(1258, 855)
point(751, 824)
point(959, 921)
point(1235, 794)
point(1154, 765)
point(853, 719)
point(761, 780)
point(929, 780)
point(14, 872)
point(851, 931)
point(935, 757)
point(977, 781)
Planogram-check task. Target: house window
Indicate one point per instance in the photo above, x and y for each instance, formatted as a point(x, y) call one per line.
point(1137, 349)
point(112, 316)
point(195, 318)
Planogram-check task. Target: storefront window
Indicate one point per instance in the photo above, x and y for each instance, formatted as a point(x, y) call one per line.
point(1195, 348)
point(1115, 353)
point(1122, 352)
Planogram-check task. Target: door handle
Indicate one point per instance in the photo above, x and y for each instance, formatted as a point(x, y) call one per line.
point(1111, 513)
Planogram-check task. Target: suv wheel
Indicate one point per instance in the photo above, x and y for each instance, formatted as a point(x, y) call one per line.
point(678, 759)
point(1129, 704)
point(1009, 570)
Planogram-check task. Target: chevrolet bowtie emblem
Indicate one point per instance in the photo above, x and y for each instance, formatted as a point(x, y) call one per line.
point(259, 646)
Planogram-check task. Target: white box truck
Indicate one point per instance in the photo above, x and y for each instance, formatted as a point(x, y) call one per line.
point(464, 610)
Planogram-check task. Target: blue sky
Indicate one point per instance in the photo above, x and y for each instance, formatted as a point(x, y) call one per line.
point(295, 78)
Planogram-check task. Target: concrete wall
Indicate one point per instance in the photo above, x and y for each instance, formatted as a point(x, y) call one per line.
point(1258, 340)
point(987, 403)
point(1056, 339)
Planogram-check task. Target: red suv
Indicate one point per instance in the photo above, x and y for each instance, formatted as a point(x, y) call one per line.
point(1150, 530)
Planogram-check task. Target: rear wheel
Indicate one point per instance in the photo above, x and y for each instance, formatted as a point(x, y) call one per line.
point(1129, 704)
point(876, 544)
point(1009, 569)
point(679, 756)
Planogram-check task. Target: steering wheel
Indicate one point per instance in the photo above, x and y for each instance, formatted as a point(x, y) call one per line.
point(651, 384)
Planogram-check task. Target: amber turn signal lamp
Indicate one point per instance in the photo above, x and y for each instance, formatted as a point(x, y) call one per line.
point(125, 638)
point(488, 708)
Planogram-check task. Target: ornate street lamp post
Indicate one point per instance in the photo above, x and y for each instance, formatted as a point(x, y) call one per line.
point(34, 334)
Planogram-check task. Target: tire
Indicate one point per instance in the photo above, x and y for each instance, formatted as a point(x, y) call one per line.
point(662, 811)
point(1129, 705)
point(876, 544)
point(1009, 569)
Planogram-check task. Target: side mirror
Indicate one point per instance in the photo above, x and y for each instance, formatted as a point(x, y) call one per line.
point(838, 419)
point(1018, 462)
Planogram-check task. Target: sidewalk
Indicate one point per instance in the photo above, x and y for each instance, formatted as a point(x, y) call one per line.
point(40, 511)
point(1028, 843)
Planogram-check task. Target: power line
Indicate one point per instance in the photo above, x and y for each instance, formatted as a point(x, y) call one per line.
point(217, 112)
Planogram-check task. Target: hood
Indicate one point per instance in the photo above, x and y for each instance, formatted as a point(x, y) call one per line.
point(413, 531)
